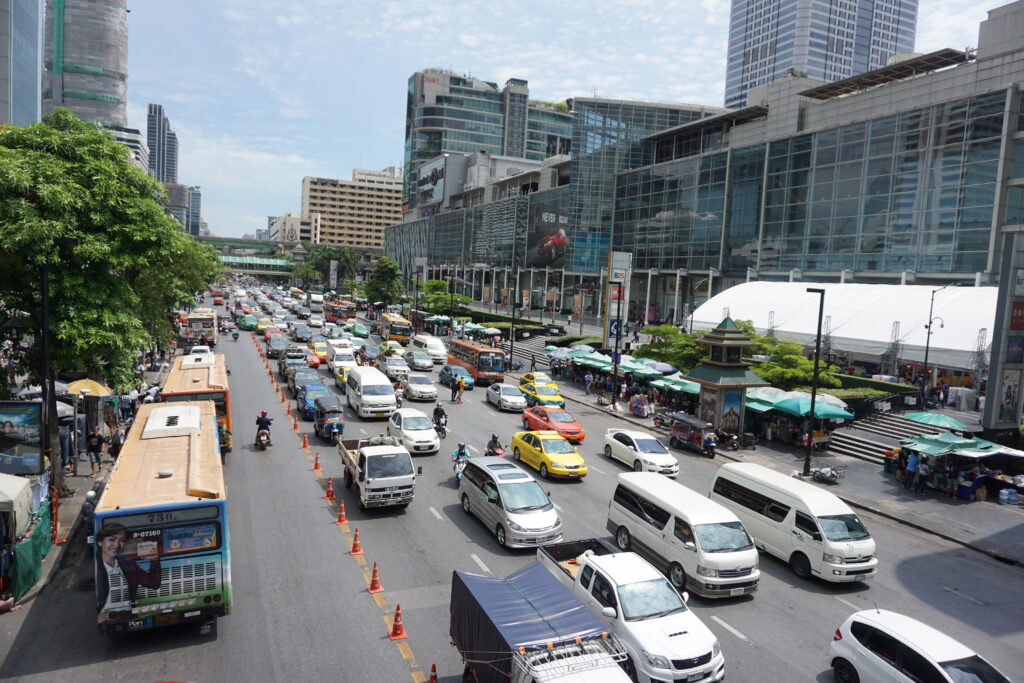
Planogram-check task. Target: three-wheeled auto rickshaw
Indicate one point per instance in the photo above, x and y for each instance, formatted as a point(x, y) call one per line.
point(328, 419)
point(686, 431)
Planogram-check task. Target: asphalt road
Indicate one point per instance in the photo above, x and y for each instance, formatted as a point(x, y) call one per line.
point(301, 611)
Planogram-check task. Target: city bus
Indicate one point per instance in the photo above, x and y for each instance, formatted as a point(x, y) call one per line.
point(484, 362)
point(160, 528)
point(339, 312)
point(395, 327)
point(200, 322)
point(202, 377)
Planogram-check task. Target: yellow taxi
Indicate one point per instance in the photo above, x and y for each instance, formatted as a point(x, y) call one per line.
point(541, 378)
point(320, 349)
point(262, 324)
point(393, 345)
point(542, 395)
point(549, 453)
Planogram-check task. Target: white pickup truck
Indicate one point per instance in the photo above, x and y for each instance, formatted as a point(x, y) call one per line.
point(664, 639)
point(381, 470)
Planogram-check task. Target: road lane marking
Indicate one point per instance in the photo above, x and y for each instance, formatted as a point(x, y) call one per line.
point(730, 629)
point(597, 470)
point(403, 648)
point(480, 563)
point(957, 592)
point(473, 448)
point(845, 602)
point(557, 507)
point(435, 513)
point(362, 431)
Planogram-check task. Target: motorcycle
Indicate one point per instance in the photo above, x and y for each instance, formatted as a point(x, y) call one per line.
point(458, 465)
point(827, 474)
point(516, 366)
point(263, 439)
point(662, 418)
point(496, 452)
point(441, 426)
point(234, 335)
point(398, 399)
point(731, 440)
point(749, 441)
point(709, 447)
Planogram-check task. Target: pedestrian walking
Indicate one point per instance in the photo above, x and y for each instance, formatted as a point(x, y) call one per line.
point(455, 389)
point(533, 364)
point(125, 405)
point(116, 442)
point(462, 388)
point(94, 444)
point(913, 460)
point(588, 379)
point(923, 470)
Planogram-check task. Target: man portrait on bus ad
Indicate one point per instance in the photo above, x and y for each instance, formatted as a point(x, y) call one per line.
point(118, 576)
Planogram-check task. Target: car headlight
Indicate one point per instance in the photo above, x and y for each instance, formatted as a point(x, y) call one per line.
point(716, 649)
point(656, 660)
point(706, 571)
point(650, 463)
point(831, 559)
point(515, 527)
point(558, 522)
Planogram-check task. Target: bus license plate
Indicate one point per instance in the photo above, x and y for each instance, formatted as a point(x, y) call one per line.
point(140, 624)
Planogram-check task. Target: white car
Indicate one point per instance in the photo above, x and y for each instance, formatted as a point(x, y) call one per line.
point(641, 451)
point(879, 645)
point(395, 367)
point(506, 397)
point(315, 320)
point(415, 430)
point(418, 360)
point(419, 387)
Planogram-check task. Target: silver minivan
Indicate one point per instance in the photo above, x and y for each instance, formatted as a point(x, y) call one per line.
point(430, 345)
point(509, 502)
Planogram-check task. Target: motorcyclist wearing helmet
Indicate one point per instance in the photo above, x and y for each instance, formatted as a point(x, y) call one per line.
point(494, 444)
point(263, 422)
point(460, 452)
point(439, 412)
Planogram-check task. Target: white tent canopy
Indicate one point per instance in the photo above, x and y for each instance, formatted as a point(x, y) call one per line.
point(16, 500)
point(862, 317)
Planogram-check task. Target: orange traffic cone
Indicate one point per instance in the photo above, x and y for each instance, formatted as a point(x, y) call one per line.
point(288, 412)
point(397, 629)
point(357, 547)
point(375, 586)
point(342, 519)
point(433, 674)
point(305, 441)
point(329, 495)
point(316, 463)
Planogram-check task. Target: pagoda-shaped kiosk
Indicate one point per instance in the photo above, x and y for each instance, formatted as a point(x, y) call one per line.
point(724, 377)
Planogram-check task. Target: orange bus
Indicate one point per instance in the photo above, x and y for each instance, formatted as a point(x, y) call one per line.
point(339, 312)
point(486, 363)
point(202, 377)
point(395, 327)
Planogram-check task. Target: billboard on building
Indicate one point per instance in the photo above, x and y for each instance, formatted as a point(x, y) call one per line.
point(21, 437)
point(547, 238)
point(431, 179)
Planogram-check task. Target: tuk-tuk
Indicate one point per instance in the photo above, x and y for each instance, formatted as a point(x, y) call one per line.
point(686, 431)
point(328, 419)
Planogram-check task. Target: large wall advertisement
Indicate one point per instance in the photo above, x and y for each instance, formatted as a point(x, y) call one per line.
point(547, 239)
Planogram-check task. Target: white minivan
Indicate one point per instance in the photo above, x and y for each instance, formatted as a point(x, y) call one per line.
point(699, 544)
point(370, 393)
point(798, 522)
point(432, 346)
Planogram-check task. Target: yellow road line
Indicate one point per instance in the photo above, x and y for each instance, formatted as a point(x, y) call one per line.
point(403, 648)
point(418, 677)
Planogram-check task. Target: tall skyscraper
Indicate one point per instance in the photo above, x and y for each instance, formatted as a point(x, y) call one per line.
point(353, 213)
point(195, 209)
point(448, 112)
point(20, 66)
point(163, 146)
point(86, 59)
point(827, 40)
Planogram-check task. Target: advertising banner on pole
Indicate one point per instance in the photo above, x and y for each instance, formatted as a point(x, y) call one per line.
point(526, 299)
point(333, 278)
point(487, 295)
point(577, 306)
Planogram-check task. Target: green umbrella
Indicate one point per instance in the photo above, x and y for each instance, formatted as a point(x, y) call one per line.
point(550, 347)
point(579, 353)
point(935, 420)
point(802, 406)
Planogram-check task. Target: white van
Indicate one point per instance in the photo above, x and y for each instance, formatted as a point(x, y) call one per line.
point(800, 523)
point(432, 346)
point(370, 393)
point(338, 346)
point(698, 543)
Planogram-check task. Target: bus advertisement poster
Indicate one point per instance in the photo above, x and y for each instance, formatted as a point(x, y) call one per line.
point(21, 437)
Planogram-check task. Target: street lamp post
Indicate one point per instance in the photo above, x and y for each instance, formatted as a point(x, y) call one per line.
point(814, 380)
point(618, 342)
point(927, 345)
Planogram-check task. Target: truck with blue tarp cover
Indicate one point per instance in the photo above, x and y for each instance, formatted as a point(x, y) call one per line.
point(529, 628)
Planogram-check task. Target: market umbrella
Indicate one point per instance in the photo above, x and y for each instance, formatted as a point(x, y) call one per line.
point(663, 368)
point(436, 319)
point(583, 347)
point(579, 353)
point(491, 331)
point(550, 347)
point(35, 391)
point(93, 388)
point(559, 354)
point(802, 406)
point(936, 420)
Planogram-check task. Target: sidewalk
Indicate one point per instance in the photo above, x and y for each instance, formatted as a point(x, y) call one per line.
point(986, 527)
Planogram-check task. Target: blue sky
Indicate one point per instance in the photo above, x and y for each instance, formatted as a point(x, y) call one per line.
point(264, 92)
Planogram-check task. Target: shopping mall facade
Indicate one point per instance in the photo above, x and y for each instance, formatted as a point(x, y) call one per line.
point(909, 173)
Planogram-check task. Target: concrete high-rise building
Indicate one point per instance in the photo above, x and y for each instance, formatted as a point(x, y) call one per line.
point(20, 64)
point(86, 59)
point(163, 145)
point(195, 207)
point(448, 112)
point(291, 227)
point(177, 203)
point(133, 139)
point(825, 40)
point(353, 213)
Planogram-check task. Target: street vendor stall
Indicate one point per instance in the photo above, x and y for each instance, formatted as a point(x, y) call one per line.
point(970, 468)
point(24, 541)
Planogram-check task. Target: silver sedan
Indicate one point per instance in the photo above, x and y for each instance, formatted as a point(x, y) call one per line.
point(419, 387)
point(506, 397)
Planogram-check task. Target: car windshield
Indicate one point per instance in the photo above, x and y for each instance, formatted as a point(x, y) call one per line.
point(419, 379)
point(377, 390)
point(525, 496)
point(972, 669)
point(546, 391)
point(649, 445)
point(312, 396)
point(722, 537)
point(419, 355)
point(344, 358)
point(397, 362)
point(277, 341)
point(649, 599)
point(509, 391)
point(557, 446)
point(558, 416)
point(843, 527)
point(389, 465)
point(494, 362)
point(417, 423)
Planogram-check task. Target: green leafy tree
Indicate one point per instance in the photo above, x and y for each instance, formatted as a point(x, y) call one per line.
point(673, 347)
point(385, 282)
point(316, 268)
point(788, 368)
point(435, 298)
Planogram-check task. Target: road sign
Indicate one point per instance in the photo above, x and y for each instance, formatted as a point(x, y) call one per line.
point(613, 327)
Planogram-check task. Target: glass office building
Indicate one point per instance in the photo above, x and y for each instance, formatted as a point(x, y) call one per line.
point(20, 64)
point(826, 40)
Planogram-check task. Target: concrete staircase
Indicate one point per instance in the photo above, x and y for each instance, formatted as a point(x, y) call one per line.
point(893, 426)
point(855, 440)
point(848, 443)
